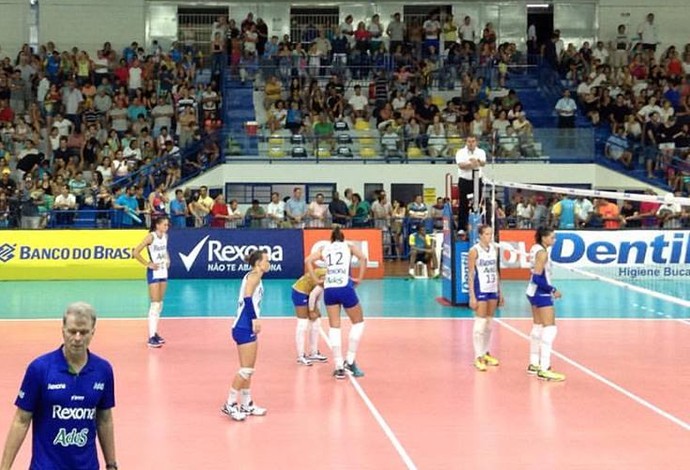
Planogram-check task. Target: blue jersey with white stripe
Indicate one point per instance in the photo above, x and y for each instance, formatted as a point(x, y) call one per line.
point(248, 308)
point(532, 286)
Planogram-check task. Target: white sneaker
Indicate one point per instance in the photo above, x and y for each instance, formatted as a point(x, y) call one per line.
point(253, 410)
point(411, 272)
point(234, 411)
point(304, 361)
point(317, 357)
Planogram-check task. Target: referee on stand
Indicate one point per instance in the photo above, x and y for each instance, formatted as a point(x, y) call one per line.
point(470, 161)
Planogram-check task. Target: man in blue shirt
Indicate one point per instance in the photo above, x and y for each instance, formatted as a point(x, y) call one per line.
point(564, 211)
point(296, 209)
point(178, 210)
point(68, 395)
point(127, 203)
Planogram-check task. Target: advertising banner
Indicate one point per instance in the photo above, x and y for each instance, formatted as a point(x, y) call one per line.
point(69, 254)
point(219, 253)
point(369, 240)
point(626, 253)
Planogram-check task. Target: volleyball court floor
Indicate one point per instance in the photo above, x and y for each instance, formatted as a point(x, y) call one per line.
point(421, 404)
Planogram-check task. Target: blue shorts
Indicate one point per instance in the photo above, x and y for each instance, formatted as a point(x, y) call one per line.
point(243, 335)
point(345, 296)
point(151, 280)
point(484, 296)
point(299, 299)
point(541, 300)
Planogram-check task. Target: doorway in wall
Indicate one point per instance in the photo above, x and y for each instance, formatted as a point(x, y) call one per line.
point(540, 22)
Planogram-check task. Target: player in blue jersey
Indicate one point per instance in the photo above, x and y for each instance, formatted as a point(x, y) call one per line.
point(541, 293)
point(156, 244)
point(67, 396)
point(339, 291)
point(244, 331)
point(485, 294)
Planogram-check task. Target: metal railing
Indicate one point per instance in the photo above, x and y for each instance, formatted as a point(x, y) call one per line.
point(363, 145)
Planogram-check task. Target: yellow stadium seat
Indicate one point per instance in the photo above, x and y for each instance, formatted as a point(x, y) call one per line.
point(275, 140)
point(362, 125)
point(366, 141)
point(323, 152)
point(414, 152)
point(438, 101)
point(276, 152)
point(367, 152)
point(455, 141)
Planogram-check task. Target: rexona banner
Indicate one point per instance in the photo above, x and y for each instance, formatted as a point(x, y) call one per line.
point(209, 253)
point(69, 254)
point(628, 251)
point(369, 240)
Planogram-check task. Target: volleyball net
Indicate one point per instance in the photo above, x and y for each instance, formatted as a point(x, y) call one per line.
point(651, 260)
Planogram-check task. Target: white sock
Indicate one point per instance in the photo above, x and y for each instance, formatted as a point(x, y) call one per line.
point(154, 312)
point(232, 396)
point(487, 335)
point(335, 339)
point(535, 344)
point(300, 333)
point(548, 334)
point(478, 333)
point(314, 332)
point(355, 336)
point(246, 396)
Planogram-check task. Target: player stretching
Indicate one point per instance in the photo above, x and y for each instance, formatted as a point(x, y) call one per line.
point(339, 291)
point(156, 243)
point(305, 297)
point(244, 331)
point(485, 294)
point(541, 293)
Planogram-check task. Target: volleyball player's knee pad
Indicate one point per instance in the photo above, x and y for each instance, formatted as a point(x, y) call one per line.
point(246, 372)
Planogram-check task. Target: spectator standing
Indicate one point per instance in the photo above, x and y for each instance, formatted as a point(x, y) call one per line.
point(649, 35)
point(275, 211)
point(296, 209)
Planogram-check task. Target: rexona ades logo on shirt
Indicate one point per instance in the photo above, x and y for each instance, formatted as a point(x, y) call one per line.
point(220, 253)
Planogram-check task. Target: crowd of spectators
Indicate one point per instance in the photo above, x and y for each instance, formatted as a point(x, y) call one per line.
point(531, 210)
point(637, 94)
point(345, 82)
point(72, 125)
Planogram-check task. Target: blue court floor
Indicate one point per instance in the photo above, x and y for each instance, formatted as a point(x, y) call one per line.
point(388, 298)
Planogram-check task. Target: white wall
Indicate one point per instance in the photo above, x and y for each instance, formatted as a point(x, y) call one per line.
point(431, 176)
point(671, 18)
point(89, 23)
point(14, 27)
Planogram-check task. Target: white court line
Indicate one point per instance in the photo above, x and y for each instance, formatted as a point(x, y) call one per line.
point(606, 381)
point(377, 415)
point(290, 317)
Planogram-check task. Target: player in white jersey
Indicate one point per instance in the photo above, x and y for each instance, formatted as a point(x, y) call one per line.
point(156, 244)
point(245, 329)
point(339, 291)
point(541, 293)
point(485, 294)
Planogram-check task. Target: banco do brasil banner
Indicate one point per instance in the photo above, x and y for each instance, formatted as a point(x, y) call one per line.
point(219, 253)
point(69, 254)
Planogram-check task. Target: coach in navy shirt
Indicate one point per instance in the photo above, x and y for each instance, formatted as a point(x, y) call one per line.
point(69, 395)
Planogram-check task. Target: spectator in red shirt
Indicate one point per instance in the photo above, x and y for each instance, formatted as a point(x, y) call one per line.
point(6, 113)
point(219, 212)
